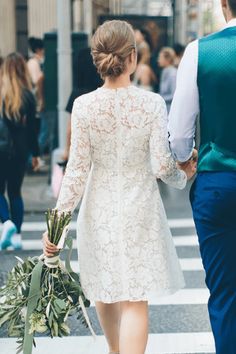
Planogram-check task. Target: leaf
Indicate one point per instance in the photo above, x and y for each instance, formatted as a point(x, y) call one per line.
point(50, 320)
point(60, 304)
point(39, 307)
point(19, 259)
point(55, 328)
point(48, 309)
point(54, 311)
point(5, 318)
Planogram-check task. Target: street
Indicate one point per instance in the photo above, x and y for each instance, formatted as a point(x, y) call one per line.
point(178, 323)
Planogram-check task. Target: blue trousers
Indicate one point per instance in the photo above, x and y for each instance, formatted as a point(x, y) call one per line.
point(213, 199)
point(11, 178)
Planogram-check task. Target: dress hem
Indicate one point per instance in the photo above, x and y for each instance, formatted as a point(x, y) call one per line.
point(148, 297)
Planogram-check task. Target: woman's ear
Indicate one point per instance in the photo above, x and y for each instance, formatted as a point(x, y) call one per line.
point(133, 56)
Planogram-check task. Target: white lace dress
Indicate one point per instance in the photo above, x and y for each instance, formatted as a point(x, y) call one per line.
point(119, 147)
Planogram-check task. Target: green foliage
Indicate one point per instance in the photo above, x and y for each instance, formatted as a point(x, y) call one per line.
point(59, 294)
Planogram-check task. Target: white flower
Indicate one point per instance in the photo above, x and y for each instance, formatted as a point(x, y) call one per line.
point(37, 323)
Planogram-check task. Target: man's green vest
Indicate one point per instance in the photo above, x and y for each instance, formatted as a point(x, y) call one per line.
point(217, 95)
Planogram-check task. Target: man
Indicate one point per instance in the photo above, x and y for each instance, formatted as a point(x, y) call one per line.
point(206, 84)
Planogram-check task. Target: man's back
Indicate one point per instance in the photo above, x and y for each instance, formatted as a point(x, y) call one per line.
point(216, 81)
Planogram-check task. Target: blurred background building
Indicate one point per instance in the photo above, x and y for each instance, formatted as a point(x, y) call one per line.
point(66, 27)
point(191, 18)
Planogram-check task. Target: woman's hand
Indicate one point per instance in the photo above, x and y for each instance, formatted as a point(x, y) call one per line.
point(189, 168)
point(49, 249)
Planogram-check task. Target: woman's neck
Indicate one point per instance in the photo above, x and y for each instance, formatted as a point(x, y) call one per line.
point(121, 81)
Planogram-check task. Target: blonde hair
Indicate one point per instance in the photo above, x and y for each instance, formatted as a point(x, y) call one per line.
point(112, 44)
point(14, 79)
point(169, 54)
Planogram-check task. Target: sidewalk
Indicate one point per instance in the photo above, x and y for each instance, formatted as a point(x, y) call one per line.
point(37, 193)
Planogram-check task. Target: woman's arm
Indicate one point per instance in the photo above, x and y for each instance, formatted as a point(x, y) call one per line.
point(163, 164)
point(78, 166)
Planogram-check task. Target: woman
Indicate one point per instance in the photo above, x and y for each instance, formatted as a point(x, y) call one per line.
point(166, 61)
point(119, 146)
point(17, 112)
point(35, 66)
point(144, 45)
point(144, 76)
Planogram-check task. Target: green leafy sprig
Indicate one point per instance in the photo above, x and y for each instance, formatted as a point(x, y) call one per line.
point(60, 290)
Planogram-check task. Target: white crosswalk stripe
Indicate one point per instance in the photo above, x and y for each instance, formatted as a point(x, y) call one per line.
point(41, 226)
point(171, 343)
point(180, 241)
point(159, 343)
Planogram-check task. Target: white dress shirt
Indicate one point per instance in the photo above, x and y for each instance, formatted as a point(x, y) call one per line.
point(185, 104)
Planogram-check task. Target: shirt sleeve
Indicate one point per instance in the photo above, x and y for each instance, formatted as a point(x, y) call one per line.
point(79, 163)
point(162, 161)
point(185, 106)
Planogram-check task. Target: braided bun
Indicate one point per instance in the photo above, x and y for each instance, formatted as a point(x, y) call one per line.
point(112, 44)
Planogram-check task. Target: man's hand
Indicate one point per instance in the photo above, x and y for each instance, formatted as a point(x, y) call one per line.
point(190, 166)
point(49, 249)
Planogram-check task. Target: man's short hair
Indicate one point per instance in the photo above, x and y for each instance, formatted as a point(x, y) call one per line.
point(232, 5)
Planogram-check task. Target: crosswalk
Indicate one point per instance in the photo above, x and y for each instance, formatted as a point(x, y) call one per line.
point(178, 323)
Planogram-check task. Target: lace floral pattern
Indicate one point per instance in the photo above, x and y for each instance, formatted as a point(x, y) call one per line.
point(119, 147)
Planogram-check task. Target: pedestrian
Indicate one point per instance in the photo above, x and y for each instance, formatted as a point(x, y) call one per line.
point(206, 84)
point(17, 139)
point(1, 62)
point(144, 76)
point(88, 80)
point(35, 66)
point(166, 61)
point(144, 45)
point(126, 251)
point(179, 52)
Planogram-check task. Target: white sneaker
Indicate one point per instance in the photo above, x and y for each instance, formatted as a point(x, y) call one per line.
point(16, 242)
point(9, 229)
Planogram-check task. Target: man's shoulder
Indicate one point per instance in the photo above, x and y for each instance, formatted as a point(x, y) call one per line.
point(214, 36)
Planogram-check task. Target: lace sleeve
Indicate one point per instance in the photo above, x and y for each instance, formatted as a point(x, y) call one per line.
point(163, 164)
point(78, 166)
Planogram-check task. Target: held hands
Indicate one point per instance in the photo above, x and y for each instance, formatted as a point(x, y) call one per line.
point(190, 166)
point(49, 249)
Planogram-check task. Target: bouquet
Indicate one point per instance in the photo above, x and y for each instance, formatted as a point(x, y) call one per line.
point(41, 293)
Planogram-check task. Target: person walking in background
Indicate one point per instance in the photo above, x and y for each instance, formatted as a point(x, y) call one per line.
point(206, 84)
point(144, 76)
point(1, 63)
point(35, 66)
point(88, 80)
point(144, 45)
point(18, 138)
point(119, 146)
point(166, 61)
point(179, 52)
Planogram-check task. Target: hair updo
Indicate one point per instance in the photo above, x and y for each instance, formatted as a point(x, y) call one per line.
point(112, 44)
